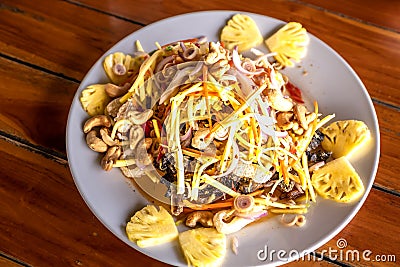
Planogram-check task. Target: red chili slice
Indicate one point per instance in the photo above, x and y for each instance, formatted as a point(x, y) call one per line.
point(295, 93)
point(147, 127)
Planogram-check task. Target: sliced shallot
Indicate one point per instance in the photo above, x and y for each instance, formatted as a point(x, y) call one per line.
point(238, 64)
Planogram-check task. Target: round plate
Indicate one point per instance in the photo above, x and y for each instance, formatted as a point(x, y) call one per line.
point(329, 80)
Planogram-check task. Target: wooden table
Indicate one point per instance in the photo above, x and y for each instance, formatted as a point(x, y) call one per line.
point(47, 46)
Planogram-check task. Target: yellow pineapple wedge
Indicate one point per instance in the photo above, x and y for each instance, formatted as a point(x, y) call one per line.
point(289, 43)
point(241, 31)
point(94, 99)
point(203, 247)
point(338, 180)
point(345, 137)
point(150, 227)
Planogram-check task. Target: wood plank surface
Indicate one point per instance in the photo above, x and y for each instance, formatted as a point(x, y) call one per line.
point(35, 105)
point(389, 168)
point(45, 222)
point(7, 262)
point(57, 35)
point(380, 13)
point(374, 228)
point(42, 206)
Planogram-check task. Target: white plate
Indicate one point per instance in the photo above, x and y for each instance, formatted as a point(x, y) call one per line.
point(330, 81)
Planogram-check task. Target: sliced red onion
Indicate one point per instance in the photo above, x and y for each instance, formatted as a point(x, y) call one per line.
point(187, 135)
point(165, 74)
point(252, 215)
point(196, 70)
point(265, 57)
point(249, 65)
point(238, 64)
point(246, 84)
point(264, 120)
point(266, 125)
point(189, 53)
point(163, 62)
point(183, 46)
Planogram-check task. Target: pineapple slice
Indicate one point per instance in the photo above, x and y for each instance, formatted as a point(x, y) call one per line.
point(150, 227)
point(241, 31)
point(338, 180)
point(119, 67)
point(94, 99)
point(203, 246)
point(345, 137)
point(289, 42)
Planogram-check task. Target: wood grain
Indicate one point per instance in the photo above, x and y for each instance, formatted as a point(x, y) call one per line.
point(35, 105)
point(374, 228)
point(57, 35)
point(45, 222)
point(7, 262)
point(389, 168)
point(380, 13)
point(41, 206)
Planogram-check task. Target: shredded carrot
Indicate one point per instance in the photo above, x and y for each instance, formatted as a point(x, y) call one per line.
point(284, 170)
point(251, 139)
point(191, 152)
point(203, 94)
point(212, 206)
point(298, 168)
point(242, 101)
point(244, 106)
